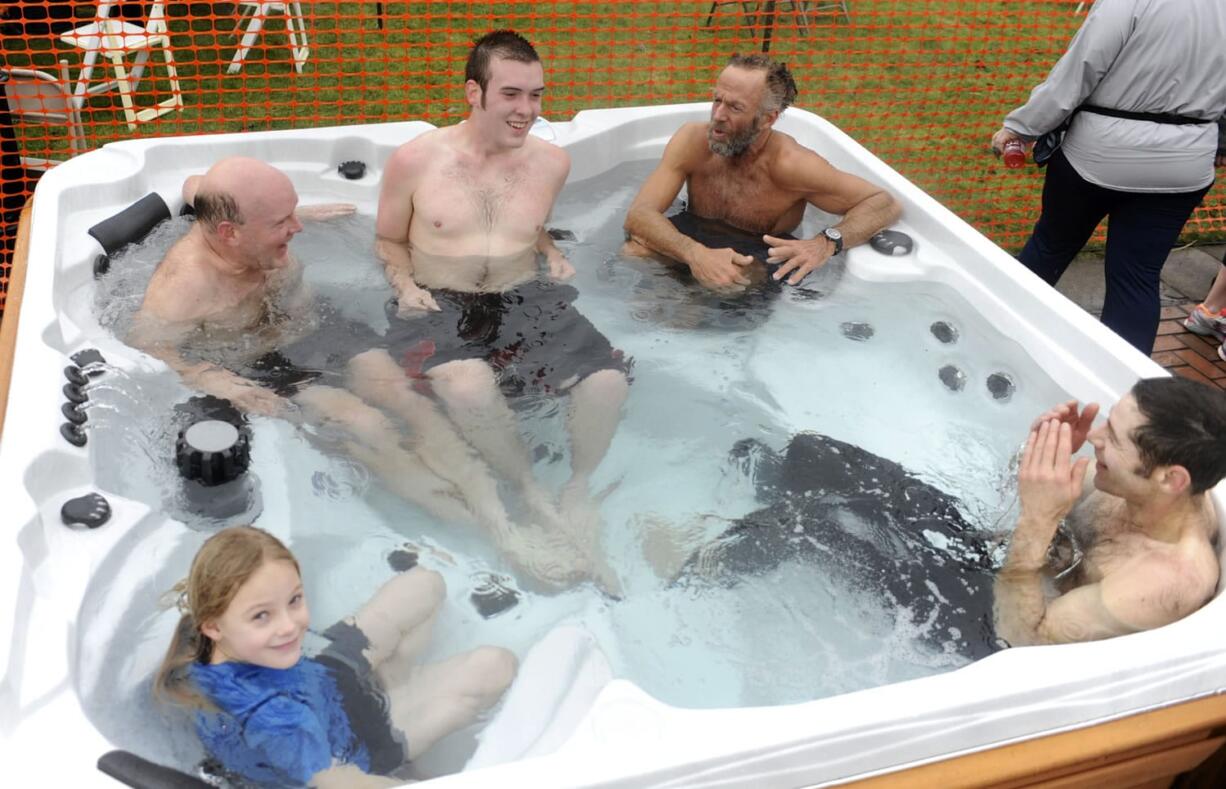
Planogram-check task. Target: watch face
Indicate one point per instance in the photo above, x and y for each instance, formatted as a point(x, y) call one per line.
point(832, 234)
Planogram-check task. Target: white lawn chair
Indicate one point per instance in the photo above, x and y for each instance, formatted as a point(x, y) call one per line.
point(254, 13)
point(48, 98)
point(117, 40)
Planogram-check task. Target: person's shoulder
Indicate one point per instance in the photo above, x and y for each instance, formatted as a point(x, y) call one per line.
point(691, 137)
point(545, 154)
point(688, 146)
point(1161, 586)
point(787, 153)
point(419, 149)
point(180, 267)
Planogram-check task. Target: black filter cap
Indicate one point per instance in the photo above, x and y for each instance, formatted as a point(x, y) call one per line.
point(351, 170)
point(213, 451)
point(90, 510)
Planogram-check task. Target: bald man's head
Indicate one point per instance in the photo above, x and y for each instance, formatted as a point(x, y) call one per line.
point(248, 205)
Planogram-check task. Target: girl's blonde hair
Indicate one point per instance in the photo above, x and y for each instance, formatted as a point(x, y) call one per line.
point(222, 565)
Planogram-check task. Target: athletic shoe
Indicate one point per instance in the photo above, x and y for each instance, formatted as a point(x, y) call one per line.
point(1202, 321)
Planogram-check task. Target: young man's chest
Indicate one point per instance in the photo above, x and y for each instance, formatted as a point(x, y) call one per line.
point(463, 204)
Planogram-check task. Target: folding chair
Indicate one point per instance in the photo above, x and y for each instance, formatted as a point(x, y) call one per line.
point(799, 8)
point(47, 98)
point(255, 12)
point(116, 40)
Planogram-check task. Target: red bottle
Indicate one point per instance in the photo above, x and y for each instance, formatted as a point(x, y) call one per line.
point(1015, 154)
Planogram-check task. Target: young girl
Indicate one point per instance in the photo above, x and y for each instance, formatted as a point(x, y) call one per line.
point(358, 711)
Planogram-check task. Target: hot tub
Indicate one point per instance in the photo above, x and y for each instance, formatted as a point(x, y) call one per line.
point(73, 691)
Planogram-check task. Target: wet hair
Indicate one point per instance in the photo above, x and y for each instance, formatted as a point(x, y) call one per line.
point(780, 87)
point(1185, 425)
point(225, 562)
point(213, 208)
point(505, 44)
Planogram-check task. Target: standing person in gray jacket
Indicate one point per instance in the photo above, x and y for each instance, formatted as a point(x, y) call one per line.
point(1143, 82)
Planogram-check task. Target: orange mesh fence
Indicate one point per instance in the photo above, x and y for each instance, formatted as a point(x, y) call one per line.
point(921, 83)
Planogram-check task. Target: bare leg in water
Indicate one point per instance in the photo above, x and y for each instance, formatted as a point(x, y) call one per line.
point(428, 702)
point(475, 404)
point(443, 484)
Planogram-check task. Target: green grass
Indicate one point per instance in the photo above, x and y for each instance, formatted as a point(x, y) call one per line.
point(921, 83)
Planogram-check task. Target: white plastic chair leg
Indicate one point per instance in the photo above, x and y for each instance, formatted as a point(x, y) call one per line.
point(296, 26)
point(249, 35)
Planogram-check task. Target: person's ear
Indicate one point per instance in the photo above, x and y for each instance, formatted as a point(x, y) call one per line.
point(211, 631)
point(1175, 479)
point(771, 117)
point(473, 94)
point(226, 231)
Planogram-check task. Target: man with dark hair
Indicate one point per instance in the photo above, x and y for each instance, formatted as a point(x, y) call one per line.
point(461, 222)
point(1142, 517)
point(501, 45)
point(754, 182)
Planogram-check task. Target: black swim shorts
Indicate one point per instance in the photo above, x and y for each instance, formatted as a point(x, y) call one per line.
point(364, 701)
point(532, 335)
point(319, 357)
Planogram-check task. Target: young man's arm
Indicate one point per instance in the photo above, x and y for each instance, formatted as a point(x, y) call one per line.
point(866, 209)
point(646, 223)
point(560, 268)
point(400, 179)
point(1049, 484)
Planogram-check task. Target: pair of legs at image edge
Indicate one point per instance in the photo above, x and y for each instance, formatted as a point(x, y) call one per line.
point(439, 462)
point(1143, 228)
point(1209, 317)
point(398, 707)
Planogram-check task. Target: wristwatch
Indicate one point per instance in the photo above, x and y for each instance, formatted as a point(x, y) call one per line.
point(835, 236)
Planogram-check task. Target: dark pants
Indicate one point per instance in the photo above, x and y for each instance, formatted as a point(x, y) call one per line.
point(1142, 229)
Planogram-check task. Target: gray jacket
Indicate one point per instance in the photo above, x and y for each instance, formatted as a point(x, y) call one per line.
point(1158, 56)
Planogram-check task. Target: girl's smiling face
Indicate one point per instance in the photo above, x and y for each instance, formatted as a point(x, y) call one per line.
point(266, 620)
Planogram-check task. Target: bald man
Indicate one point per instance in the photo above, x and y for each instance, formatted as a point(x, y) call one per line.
point(228, 310)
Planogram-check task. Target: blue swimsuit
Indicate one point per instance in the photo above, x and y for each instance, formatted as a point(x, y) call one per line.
point(276, 727)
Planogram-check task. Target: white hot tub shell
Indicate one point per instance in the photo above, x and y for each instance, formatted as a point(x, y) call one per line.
point(565, 722)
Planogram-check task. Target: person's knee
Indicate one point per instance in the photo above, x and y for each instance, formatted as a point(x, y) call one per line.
point(492, 669)
point(428, 584)
point(469, 383)
point(374, 364)
point(323, 401)
point(605, 386)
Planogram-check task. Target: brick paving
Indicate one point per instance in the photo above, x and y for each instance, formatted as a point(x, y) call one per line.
point(1185, 353)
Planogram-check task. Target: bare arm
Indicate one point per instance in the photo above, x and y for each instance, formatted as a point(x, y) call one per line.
point(1049, 483)
point(162, 339)
point(317, 213)
point(560, 268)
point(392, 228)
point(646, 223)
point(866, 209)
point(168, 315)
point(350, 776)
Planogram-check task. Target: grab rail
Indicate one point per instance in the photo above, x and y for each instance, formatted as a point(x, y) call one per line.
point(131, 770)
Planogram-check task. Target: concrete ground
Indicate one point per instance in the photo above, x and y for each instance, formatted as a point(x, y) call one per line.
point(1186, 277)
